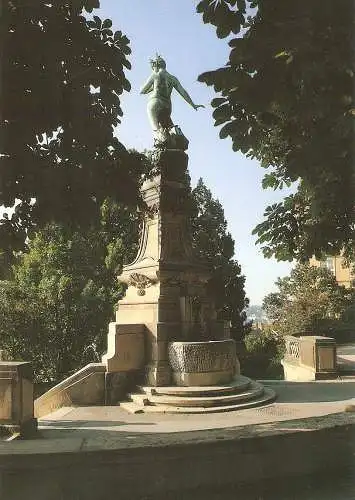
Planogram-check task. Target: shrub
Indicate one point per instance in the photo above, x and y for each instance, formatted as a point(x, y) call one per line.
point(265, 350)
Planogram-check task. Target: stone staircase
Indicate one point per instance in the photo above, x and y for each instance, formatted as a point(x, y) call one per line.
point(241, 393)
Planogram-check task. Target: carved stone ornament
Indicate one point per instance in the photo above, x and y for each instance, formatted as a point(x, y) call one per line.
point(153, 210)
point(141, 282)
point(172, 280)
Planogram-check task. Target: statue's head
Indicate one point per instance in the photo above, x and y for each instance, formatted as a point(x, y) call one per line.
point(157, 63)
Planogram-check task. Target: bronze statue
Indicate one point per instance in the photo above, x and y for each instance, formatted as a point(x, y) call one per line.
point(159, 86)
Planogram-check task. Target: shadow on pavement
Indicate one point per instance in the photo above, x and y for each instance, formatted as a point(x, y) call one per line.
point(314, 392)
point(88, 423)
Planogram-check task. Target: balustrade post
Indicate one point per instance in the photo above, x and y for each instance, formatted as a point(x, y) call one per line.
point(309, 358)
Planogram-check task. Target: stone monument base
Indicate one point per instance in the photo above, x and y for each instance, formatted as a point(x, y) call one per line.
point(240, 393)
point(203, 363)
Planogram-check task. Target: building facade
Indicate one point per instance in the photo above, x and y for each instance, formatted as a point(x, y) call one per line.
point(343, 274)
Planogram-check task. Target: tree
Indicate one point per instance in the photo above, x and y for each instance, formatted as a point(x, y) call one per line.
point(286, 99)
point(306, 300)
point(214, 244)
point(62, 77)
point(56, 308)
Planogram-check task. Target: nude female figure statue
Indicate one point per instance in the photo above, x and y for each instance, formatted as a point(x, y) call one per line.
point(159, 86)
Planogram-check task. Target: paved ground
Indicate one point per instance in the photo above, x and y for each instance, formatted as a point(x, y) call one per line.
point(294, 401)
point(300, 407)
point(71, 429)
point(112, 432)
point(346, 355)
point(93, 428)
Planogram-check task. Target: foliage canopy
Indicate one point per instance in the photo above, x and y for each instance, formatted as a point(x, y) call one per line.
point(62, 77)
point(213, 243)
point(286, 99)
point(306, 301)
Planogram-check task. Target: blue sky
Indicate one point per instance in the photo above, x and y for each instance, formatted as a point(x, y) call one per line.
point(177, 32)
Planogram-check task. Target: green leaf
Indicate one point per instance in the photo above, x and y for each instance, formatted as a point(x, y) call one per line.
point(270, 181)
point(223, 31)
point(284, 53)
point(217, 101)
point(107, 32)
point(126, 85)
point(107, 23)
point(241, 5)
point(222, 112)
point(278, 86)
point(97, 21)
point(201, 6)
point(77, 125)
point(228, 129)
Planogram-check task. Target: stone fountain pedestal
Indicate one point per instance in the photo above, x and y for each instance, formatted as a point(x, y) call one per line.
point(166, 329)
point(166, 285)
point(200, 364)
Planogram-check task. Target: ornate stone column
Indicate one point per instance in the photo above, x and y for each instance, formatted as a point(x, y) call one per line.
point(164, 272)
point(166, 284)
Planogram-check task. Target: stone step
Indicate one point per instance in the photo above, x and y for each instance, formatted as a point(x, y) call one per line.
point(255, 390)
point(268, 396)
point(131, 407)
point(239, 384)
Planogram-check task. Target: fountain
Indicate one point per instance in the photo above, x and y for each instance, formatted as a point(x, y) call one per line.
point(188, 356)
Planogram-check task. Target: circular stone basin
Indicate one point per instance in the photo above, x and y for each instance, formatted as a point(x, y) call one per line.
point(203, 363)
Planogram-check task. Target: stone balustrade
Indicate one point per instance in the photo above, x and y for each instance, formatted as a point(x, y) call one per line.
point(16, 398)
point(292, 348)
point(309, 358)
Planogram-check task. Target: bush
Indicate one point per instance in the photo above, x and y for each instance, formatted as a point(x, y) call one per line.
point(265, 350)
point(55, 310)
point(342, 329)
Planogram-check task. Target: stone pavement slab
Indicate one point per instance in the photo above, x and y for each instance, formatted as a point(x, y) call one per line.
point(346, 355)
point(110, 427)
point(294, 400)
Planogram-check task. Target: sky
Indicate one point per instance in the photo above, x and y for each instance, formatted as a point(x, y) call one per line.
point(176, 31)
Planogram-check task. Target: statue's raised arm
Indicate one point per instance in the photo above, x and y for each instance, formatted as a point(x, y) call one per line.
point(159, 86)
point(179, 88)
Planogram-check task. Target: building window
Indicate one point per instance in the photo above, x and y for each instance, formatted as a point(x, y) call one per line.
point(329, 263)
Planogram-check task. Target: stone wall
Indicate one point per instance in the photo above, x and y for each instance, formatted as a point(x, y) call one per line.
point(146, 466)
point(85, 387)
